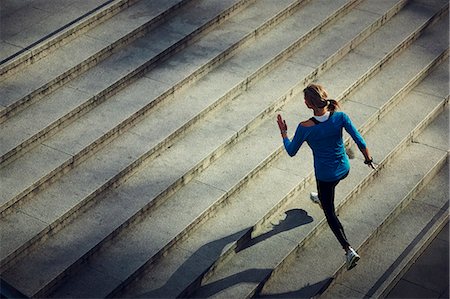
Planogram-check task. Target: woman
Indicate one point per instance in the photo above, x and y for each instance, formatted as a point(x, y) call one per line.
point(323, 133)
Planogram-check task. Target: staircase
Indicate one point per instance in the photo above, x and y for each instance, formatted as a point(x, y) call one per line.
point(140, 156)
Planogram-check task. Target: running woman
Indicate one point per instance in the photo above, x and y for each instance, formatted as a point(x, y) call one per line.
point(323, 133)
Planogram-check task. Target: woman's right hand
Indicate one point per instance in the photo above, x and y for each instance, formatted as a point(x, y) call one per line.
point(281, 124)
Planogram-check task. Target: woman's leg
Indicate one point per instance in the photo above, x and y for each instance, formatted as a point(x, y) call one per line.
point(326, 192)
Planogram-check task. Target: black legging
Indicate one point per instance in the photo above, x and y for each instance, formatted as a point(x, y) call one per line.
point(326, 196)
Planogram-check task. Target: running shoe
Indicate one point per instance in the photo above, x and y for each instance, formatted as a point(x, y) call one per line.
point(314, 196)
point(351, 258)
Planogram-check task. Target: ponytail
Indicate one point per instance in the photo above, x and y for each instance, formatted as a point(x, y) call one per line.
point(332, 105)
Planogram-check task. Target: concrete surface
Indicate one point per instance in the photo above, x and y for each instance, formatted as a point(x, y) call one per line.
point(428, 277)
point(207, 243)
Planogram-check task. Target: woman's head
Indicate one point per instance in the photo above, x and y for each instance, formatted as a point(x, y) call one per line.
point(316, 98)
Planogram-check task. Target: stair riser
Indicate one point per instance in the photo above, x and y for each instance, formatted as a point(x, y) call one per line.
point(437, 226)
point(129, 170)
point(126, 81)
point(109, 136)
point(291, 92)
point(395, 212)
point(395, 52)
point(122, 176)
point(356, 191)
point(323, 67)
point(182, 183)
point(227, 255)
point(405, 90)
point(87, 64)
point(371, 122)
point(139, 115)
point(16, 62)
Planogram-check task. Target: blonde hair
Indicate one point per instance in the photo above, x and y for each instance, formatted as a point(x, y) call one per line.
point(316, 95)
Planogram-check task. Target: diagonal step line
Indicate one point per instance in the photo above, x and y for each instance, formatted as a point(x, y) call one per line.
point(358, 189)
point(92, 147)
point(397, 50)
point(85, 65)
point(138, 115)
point(78, 158)
point(237, 187)
point(292, 193)
point(287, 53)
point(411, 253)
point(310, 177)
point(304, 182)
point(393, 214)
point(123, 82)
point(407, 88)
point(352, 195)
point(33, 52)
point(183, 178)
point(113, 182)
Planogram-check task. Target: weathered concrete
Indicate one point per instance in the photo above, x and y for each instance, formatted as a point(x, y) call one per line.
point(394, 243)
point(177, 179)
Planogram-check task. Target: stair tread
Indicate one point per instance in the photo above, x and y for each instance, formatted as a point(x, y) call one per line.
point(253, 258)
point(170, 211)
point(24, 24)
point(93, 81)
point(209, 178)
point(156, 192)
point(391, 243)
point(78, 50)
point(220, 220)
point(324, 249)
point(143, 130)
point(431, 154)
point(105, 117)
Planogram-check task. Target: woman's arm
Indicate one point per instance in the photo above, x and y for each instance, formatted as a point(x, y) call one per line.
point(293, 146)
point(359, 140)
point(368, 158)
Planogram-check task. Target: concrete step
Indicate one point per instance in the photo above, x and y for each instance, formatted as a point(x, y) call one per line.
point(75, 48)
point(160, 274)
point(50, 171)
point(54, 193)
point(318, 248)
point(58, 189)
point(361, 218)
point(217, 281)
point(236, 139)
point(108, 77)
point(394, 246)
point(67, 149)
point(153, 121)
point(33, 30)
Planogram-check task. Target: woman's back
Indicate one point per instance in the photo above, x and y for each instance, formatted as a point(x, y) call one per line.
point(325, 139)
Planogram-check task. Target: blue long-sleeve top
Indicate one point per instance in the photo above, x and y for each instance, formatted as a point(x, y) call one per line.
point(325, 139)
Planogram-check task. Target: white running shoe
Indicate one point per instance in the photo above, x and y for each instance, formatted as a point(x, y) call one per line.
point(314, 196)
point(351, 258)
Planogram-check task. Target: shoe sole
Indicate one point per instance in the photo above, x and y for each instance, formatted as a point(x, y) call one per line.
point(353, 263)
point(316, 202)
